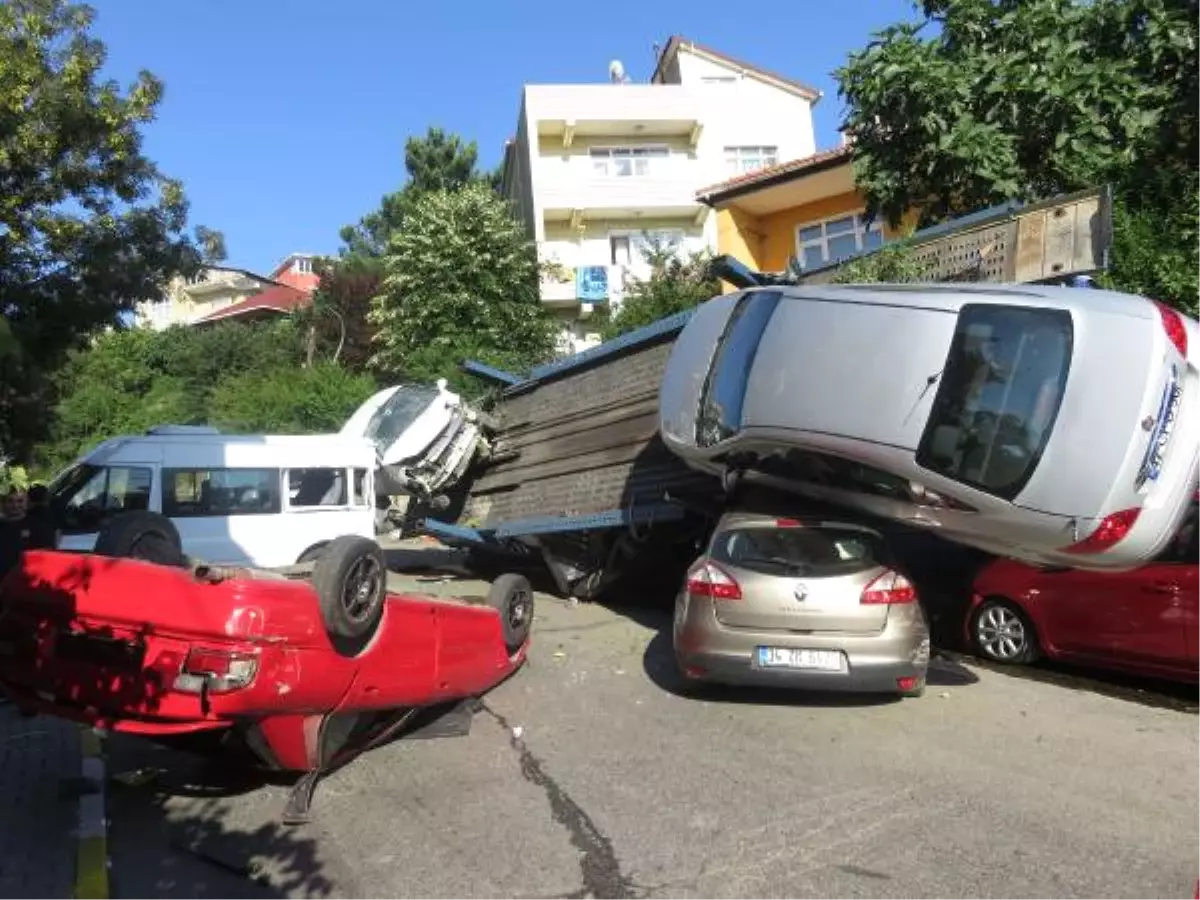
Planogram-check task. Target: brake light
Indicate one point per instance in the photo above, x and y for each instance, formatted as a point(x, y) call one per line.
point(787, 523)
point(220, 670)
point(889, 588)
point(1110, 530)
point(1174, 327)
point(709, 580)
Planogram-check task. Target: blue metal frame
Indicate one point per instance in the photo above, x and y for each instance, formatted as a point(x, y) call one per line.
point(483, 370)
point(452, 533)
point(613, 518)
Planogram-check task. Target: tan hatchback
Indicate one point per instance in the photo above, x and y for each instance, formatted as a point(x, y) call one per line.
point(806, 602)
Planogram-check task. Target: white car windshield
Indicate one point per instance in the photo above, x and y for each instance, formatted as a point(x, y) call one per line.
point(392, 419)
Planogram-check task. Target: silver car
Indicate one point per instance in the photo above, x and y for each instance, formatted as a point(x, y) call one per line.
point(806, 602)
point(1055, 425)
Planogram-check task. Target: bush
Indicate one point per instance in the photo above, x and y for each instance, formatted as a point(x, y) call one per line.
point(289, 401)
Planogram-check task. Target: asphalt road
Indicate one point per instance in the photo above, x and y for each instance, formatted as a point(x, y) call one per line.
point(587, 774)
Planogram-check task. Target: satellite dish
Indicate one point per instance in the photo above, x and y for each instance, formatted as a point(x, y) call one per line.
point(616, 72)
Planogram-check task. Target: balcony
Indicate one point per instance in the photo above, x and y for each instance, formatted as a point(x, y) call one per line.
point(570, 199)
point(566, 288)
point(595, 110)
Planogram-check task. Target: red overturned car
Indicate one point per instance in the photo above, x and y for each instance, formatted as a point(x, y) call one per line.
point(305, 668)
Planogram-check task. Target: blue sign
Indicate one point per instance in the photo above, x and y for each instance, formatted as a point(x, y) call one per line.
point(591, 283)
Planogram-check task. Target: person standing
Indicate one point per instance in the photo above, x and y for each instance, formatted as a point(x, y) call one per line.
point(41, 531)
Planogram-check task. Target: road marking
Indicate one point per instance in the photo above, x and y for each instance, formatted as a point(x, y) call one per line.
point(91, 858)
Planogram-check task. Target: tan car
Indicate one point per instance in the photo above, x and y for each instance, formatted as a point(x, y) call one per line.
point(807, 602)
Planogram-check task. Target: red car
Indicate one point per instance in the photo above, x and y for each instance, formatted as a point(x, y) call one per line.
point(1144, 621)
point(306, 673)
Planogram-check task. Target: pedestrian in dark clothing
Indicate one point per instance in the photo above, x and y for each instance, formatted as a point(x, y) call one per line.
point(42, 530)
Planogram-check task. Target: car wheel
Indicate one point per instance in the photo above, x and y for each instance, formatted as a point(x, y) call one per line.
point(350, 578)
point(312, 554)
point(1002, 632)
point(141, 534)
point(512, 596)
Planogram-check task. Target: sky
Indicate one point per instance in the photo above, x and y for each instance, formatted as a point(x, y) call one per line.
point(286, 119)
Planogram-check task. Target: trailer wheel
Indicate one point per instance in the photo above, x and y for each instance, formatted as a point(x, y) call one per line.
point(512, 596)
point(350, 578)
point(141, 534)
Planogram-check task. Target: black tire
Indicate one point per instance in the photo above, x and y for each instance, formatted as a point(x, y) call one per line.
point(313, 553)
point(992, 615)
point(143, 535)
point(350, 577)
point(512, 596)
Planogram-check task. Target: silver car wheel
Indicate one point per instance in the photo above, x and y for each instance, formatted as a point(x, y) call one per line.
point(1001, 633)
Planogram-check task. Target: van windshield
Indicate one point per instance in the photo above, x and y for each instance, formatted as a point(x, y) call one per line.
point(999, 396)
point(87, 494)
point(392, 419)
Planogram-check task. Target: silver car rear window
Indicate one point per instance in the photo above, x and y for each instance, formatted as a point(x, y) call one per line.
point(998, 396)
point(799, 552)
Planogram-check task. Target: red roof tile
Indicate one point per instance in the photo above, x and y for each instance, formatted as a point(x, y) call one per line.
point(769, 173)
point(281, 298)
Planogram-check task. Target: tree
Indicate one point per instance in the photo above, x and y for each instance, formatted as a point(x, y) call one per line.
point(280, 400)
point(128, 381)
point(341, 303)
point(88, 225)
point(461, 280)
point(676, 282)
point(1022, 99)
point(436, 162)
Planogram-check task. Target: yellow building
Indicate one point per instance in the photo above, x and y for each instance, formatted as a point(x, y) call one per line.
point(806, 208)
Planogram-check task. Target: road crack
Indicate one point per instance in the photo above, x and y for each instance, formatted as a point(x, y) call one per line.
point(598, 863)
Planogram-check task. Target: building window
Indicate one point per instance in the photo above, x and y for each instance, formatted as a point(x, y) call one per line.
point(626, 162)
point(739, 160)
point(822, 243)
point(634, 248)
point(304, 265)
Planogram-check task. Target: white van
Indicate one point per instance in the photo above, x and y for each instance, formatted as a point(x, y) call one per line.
point(258, 500)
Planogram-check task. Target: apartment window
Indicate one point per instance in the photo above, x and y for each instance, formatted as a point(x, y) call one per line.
point(634, 248)
point(822, 243)
point(304, 266)
point(626, 162)
point(739, 160)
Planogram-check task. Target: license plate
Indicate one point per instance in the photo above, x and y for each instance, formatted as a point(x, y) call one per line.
point(1152, 467)
point(788, 658)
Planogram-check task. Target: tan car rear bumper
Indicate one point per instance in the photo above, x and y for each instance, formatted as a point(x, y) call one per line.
point(706, 650)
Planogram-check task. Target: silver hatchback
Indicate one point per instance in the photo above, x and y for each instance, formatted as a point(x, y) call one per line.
point(809, 602)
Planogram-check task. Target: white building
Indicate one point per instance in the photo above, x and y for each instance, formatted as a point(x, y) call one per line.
point(594, 167)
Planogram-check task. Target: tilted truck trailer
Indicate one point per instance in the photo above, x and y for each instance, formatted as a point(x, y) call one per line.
point(577, 474)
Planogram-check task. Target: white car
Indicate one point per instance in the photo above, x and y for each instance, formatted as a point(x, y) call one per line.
point(425, 437)
point(1050, 424)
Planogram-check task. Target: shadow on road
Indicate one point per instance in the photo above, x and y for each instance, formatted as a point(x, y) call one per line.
point(174, 834)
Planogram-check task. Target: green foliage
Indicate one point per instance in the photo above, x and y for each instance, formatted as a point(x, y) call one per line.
point(1023, 99)
point(128, 381)
point(88, 225)
point(1012, 99)
point(289, 401)
point(436, 162)
point(893, 263)
point(461, 280)
point(13, 478)
point(677, 281)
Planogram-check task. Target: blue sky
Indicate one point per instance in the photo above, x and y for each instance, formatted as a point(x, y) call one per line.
point(286, 119)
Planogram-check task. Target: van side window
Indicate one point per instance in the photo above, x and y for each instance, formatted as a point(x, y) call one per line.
point(188, 493)
point(90, 494)
point(360, 488)
point(317, 487)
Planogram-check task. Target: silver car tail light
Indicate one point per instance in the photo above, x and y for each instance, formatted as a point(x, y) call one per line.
point(707, 579)
point(889, 588)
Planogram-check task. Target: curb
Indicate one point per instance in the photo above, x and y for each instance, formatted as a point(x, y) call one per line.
point(91, 860)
